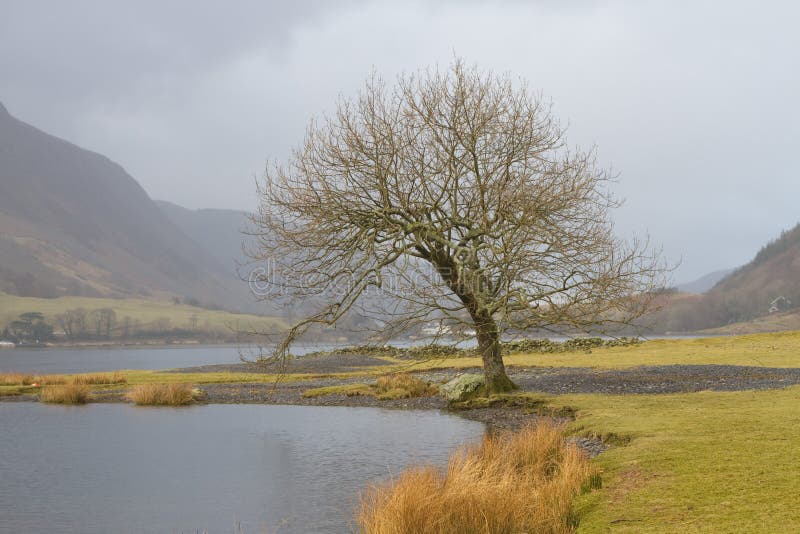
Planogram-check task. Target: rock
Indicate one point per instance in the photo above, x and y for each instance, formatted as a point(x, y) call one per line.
point(463, 387)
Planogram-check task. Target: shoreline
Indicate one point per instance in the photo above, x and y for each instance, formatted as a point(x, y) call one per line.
point(495, 418)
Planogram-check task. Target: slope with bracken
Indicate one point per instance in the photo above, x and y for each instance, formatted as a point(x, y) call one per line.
point(72, 222)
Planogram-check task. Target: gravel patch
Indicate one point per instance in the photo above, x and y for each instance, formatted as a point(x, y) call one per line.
point(654, 379)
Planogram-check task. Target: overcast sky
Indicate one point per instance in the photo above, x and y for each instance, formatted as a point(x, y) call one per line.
point(694, 104)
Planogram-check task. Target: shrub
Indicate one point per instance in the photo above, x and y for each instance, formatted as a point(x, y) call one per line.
point(509, 483)
point(65, 394)
point(161, 394)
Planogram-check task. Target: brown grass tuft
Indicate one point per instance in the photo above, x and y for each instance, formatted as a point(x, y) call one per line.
point(65, 394)
point(100, 378)
point(20, 379)
point(402, 386)
point(161, 394)
point(510, 483)
point(15, 379)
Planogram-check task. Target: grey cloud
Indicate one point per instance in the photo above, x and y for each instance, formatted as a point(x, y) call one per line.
point(693, 104)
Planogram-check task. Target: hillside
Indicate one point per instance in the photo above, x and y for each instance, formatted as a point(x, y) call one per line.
point(218, 231)
point(770, 281)
point(761, 296)
point(73, 222)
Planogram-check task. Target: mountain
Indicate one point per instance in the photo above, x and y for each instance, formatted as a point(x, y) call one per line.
point(218, 231)
point(73, 222)
point(704, 283)
point(769, 283)
point(763, 295)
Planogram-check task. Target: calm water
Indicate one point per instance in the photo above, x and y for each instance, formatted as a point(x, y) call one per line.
point(118, 468)
point(89, 360)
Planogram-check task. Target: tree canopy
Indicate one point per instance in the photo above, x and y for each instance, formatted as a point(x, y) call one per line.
point(450, 196)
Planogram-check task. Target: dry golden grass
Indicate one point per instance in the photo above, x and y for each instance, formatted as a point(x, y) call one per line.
point(100, 378)
point(386, 387)
point(15, 379)
point(20, 379)
point(65, 394)
point(402, 386)
point(161, 394)
point(510, 483)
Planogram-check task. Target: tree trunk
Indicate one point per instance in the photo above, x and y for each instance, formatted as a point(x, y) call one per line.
point(489, 348)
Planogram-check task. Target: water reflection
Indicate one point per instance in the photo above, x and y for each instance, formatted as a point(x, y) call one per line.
point(118, 468)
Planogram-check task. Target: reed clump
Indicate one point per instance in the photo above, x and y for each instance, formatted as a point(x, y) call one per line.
point(509, 483)
point(15, 379)
point(23, 379)
point(65, 394)
point(402, 386)
point(161, 394)
point(386, 387)
point(100, 378)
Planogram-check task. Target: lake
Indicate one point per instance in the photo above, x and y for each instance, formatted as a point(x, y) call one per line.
point(91, 360)
point(118, 468)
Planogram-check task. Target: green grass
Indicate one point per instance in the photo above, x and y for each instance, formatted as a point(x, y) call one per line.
point(144, 311)
point(762, 350)
point(350, 390)
point(710, 461)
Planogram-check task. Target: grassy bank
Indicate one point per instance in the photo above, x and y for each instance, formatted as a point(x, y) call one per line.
point(17, 384)
point(710, 461)
point(763, 350)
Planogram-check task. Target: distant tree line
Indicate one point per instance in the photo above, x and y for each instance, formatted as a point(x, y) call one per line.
point(28, 328)
point(80, 324)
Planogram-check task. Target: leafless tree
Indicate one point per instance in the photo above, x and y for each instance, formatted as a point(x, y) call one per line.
point(66, 322)
point(126, 327)
point(162, 324)
point(104, 321)
point(451, 196)
point(73, 322)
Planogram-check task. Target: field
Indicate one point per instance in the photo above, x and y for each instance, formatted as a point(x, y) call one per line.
point(762, 350)
point(146, 312)
point(700, 462)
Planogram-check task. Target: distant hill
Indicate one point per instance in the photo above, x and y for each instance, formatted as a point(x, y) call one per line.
point(771, 281)
point(763, 295)
point(218, 231)
point(73, 222)
point(704, 283)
